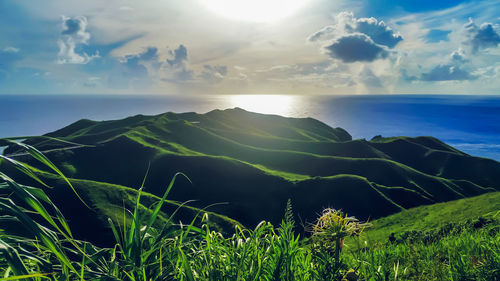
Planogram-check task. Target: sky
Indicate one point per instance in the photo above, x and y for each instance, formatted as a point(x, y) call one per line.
point(199, 47)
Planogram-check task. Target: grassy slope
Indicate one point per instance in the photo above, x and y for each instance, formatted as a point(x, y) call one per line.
point(112, 201)
point(255, 162)
point(432, 217)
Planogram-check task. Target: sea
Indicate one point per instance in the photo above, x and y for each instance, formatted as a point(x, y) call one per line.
point(470, 123)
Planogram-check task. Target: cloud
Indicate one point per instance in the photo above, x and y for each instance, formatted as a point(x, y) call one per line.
point(377, 31)
point(353, 39)
point(482, 37)
point(72, 35)
point(447, 72)
point(323, 74)
point(355, 47)
point(132, 70)
point(149, 66)
point(136, 62)
point(147, 57)
point(346, 23)
point(368, 78)
point(92, 82)
point(176, 70)
point(178, 76)
point(10, 49)
point(151, 53)
point(406, 77)
point(322, 34)
point(213, 74)
point(180, 56)
point(453, 70)
point(8, 56)
point(458, 56)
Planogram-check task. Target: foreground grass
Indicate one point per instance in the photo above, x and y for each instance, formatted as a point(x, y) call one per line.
point(459, 252)
point(150, 249)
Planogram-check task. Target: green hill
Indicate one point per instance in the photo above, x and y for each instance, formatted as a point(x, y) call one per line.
point(255, 162)
point(436, 216)
point(108, 201)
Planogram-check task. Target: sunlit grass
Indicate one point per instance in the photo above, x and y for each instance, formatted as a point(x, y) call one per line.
point(149, 245)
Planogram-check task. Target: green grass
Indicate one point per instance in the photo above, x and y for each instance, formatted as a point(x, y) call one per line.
point(103, 221)
point(253, 163)
point(456, 240)
point(433, 217)
point(149, 245)
point(466, 255)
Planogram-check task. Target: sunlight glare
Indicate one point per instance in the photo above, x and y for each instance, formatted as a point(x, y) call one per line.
point(254, 10)
point(268, 104)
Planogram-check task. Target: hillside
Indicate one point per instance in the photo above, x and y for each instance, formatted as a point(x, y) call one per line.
point(436, 216)
point(108, 201)
point(255, 162)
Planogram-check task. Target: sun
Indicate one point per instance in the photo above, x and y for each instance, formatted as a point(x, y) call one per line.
point(255, 10)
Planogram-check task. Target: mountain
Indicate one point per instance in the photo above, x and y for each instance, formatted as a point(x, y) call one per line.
point(252, 163)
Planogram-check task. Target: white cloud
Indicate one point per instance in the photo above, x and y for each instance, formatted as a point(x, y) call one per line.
point(346, 23)
point(480, 37)
point(73, 34)
point(356, 40)
point(11, 50)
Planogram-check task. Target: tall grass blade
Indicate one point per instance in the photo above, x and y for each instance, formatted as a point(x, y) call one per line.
point(29, 198)
point(156, 211)
point(47, 238)
point(186, 266)
point(35, 153)
point(13, 259)
point(23, 169)
point(33, 275)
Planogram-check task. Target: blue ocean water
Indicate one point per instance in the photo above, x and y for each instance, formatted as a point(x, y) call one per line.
point(469, 123)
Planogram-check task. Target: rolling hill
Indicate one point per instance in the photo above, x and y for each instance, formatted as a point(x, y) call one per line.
point(433, 217)
point(254, 162)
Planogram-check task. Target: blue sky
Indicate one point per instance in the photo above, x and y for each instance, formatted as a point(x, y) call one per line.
point(200, 47)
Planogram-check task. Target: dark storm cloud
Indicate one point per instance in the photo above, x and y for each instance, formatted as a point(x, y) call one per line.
point(354, 48)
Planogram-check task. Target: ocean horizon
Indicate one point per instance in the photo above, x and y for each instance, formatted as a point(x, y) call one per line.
point(470, 123)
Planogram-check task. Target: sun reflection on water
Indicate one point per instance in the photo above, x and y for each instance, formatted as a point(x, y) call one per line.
point(269, 104)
